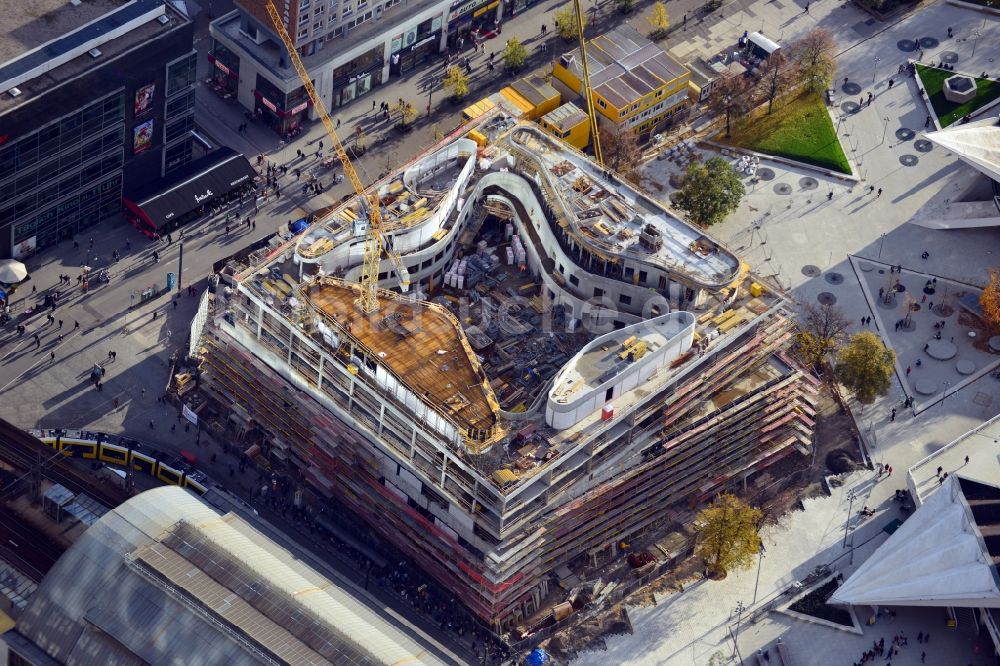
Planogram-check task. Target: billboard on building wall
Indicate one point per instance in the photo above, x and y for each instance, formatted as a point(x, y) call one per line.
point(25, 248)
point(142, 137)
point(144, 99)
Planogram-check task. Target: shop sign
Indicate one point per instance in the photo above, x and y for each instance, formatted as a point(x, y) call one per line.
point(300, 107)
point(225, 70)
point(268, 103)
point(426, 40)
point(436, 24)
point(492, 5)
point(462, 8)
point(397, 43)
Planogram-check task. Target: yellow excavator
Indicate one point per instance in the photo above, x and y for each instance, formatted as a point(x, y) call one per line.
point(375, 240)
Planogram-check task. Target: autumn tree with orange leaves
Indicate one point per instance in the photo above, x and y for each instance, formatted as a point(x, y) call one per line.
point(990, 300)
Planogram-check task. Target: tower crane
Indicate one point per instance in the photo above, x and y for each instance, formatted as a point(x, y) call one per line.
point(588, 93)
point(375, 240)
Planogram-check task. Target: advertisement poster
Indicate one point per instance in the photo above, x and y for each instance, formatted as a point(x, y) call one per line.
point(142, 137)
point(25, 247)
point(144, 99)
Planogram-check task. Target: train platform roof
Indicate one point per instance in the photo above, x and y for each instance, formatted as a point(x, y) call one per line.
point(164, 578)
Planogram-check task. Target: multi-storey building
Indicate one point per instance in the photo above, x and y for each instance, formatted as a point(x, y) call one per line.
point(94, 97)
point(636, 84)
point(587, 362)
point(350, 47)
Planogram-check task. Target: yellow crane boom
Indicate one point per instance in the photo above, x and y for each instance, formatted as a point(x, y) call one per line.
point(375, 242)
point(588, 93)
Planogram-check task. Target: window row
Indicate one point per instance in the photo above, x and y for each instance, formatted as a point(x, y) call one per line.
point(65, 187)
point(59, 136)
point(32, 178)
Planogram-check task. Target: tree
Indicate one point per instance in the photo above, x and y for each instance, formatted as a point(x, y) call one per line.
point(814, 59)
point(731, 97)
point(659, 19)
point(407, 113)
point(566, 23)
point(774, 79)
point(822, 329)
point(709, 191)
point(624, 6)
point(989, 300)
point(456, 82)
point(865, 366)
point(728, 535)
point(514, 54)
point(621, 151)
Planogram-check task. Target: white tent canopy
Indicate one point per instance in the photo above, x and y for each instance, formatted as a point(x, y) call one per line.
point(936, 558)
point(12, 271)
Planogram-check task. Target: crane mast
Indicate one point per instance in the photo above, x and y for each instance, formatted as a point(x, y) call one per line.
point(375, 242)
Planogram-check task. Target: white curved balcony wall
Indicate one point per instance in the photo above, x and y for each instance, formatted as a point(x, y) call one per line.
point(577, 391)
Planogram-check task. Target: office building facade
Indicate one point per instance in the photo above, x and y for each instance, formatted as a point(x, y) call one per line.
point(103, 103)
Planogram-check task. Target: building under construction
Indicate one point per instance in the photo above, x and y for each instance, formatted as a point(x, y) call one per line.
point(575, 363)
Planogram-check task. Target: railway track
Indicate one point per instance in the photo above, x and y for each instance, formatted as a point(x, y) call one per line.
point(23, 451)
point(26, 547)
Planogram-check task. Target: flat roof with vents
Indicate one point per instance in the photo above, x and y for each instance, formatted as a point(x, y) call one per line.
point(46, 42)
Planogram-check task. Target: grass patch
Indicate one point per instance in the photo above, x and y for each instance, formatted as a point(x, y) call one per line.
point(814, 604)
point(799, 129)
point(947, 112)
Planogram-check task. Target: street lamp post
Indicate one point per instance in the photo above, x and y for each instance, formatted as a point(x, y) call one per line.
point(975, 42)
point(885, 129)
point(736, 636)
point(875, 69)
point(850, 507)
point(760, 557)
point(881, 240)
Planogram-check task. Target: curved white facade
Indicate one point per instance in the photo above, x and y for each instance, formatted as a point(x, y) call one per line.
point(603, 370)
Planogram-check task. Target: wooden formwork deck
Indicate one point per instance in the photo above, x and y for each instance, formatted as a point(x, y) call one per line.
point(422, 346)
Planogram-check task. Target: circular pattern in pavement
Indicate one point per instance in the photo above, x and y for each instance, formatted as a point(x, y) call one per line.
point(923, 145)
point(811, 271)
point(850, 88)
point(808, 183)
point(928, 42)
point(891, 305)
point(782, 188)
point(965, 367)
point(826, 298)
point(834, 278)
point(925, 386)
point(948, 56)
point(850, 107)
point(942, 350)
point(908, 160)
point(995, 343)
point(907, 45)
point(905, 134)
point(943, 310)
point(765, 174)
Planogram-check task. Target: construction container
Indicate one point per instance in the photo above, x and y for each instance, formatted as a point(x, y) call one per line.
point(508, 231)
point(756, 289)
point(607, 413)
point(460, 283)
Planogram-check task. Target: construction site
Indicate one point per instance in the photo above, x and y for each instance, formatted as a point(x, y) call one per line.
point(571, 371)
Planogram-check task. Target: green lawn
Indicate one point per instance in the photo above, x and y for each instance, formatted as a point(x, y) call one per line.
point(799, 129)
point(947, 112)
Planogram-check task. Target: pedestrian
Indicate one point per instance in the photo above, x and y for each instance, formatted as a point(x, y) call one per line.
point(881, 290)
point(373, 105)
point(253, 224)
point(923, 657)
point(152, 426)
point(60, 337)
point(927, 122)
point(862, 321)
point(871, 188)
point(879, 193)
point(908, 371)
point(175, 304)
point(38, 341)
point(155, 313)
point(52, 355)
point(861, 103)
point(870, 97)
point(806, 10)
point(829, 196)
point(966, 460)
point(891, 82)
point(115, 402)
point(60, 323)
point(892, 417)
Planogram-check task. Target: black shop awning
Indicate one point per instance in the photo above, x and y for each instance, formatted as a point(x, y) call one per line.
point(196, 184)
